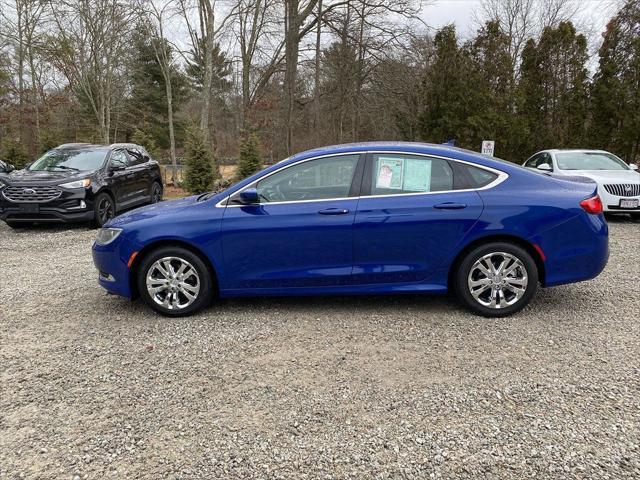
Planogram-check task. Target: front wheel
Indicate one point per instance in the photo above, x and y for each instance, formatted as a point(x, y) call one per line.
point(496, 279)
point(104, 209)
point(174, 281)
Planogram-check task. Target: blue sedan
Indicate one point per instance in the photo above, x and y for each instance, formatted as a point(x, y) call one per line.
point(369, 218)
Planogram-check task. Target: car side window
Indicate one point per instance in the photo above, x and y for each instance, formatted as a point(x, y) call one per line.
point(135, 157)
point(534, 161)
point(546, 158)
point(394, 174)
point(119, 159)
point(477, 177)
point(319, 179)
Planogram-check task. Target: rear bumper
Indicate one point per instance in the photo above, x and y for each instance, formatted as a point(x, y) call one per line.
point(575, 250)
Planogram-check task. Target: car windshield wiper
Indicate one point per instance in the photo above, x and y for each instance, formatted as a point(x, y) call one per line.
point(64, 167)
point(206, 196)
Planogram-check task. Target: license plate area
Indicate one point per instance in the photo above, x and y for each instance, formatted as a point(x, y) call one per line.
point(29, 208)
point(631, 203)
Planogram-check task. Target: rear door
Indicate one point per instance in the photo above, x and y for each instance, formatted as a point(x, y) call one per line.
point(413, 212)
point(300, 234)
point(141, 176)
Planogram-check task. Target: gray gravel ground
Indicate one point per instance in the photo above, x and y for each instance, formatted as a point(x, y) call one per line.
point(93, 386)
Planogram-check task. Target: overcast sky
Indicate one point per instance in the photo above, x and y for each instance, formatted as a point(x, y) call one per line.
point(593, 14)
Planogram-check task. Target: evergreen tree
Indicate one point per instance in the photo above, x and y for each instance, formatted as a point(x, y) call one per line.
point(615, 98)
point(147, 108)
point(144, 139)
point(554, 88)
point(446, 91)
point(13, 152)
point(249, 160)
point(201, 172)
point(490, 96)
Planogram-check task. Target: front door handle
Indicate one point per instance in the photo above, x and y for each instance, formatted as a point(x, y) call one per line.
point(334, 211)
point(450, 206)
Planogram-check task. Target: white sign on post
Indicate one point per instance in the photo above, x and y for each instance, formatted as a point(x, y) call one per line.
point(488, 147)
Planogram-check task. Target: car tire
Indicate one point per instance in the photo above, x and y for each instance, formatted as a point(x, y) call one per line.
point(104, 209)
point(635, 216)
point(156, 192)
point(159, 270)
point(487, 291)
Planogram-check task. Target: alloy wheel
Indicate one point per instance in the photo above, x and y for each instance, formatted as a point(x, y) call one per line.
point(105, 210)
point(498, 280)
point(156, 193)
point(173, 283)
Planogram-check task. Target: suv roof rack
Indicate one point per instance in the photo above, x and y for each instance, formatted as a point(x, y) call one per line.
point(76, 144)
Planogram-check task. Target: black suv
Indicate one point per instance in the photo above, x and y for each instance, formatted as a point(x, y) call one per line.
point(79, 182)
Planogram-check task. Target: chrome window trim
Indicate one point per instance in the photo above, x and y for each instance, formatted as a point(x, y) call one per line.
point(501, 177)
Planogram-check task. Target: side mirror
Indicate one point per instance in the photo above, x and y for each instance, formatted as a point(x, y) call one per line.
point(10, 168)
point(633, 166)
point(545, 167)
point(249, 196)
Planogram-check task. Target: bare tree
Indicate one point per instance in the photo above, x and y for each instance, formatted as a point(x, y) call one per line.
point(203, 33)
point(92, 42)
point(20, 21)
point(158, 13)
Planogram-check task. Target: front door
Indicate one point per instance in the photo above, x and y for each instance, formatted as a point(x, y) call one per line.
point(410, 218)
point(300, 234)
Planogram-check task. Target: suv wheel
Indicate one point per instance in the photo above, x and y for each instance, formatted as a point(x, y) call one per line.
point(104, 209)
point(156, 192)
point(497, 279)
point(174, 281)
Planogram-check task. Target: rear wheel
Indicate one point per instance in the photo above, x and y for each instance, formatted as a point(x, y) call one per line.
point(156, 192)
point(174, 281)
point(496, 279)
point(104, 209)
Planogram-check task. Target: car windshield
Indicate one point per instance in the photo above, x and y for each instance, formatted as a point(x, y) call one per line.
point(589, 161)
point(70, 160)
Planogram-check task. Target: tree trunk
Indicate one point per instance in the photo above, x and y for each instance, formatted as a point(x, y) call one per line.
point(316, 86)
point(292, 46)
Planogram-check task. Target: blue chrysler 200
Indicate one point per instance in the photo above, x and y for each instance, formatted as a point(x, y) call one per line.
point(371, 218)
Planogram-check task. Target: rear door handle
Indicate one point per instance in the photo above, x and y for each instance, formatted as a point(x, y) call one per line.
point(334, 211)
point(450, 206)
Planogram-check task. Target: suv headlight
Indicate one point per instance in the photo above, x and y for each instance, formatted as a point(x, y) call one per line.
point(107, 235)
point(77, 184)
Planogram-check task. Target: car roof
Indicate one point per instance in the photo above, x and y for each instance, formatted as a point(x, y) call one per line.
point(447, 151)
point(81, 145)
point(575, 150)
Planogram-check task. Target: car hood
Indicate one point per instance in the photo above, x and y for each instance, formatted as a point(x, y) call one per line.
point(167, 209)
point(608, 176)
point(38, 177)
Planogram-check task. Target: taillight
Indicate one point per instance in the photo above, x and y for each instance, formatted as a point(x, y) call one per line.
point(592, 205)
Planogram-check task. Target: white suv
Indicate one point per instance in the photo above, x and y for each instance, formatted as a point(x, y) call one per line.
point(618, 183)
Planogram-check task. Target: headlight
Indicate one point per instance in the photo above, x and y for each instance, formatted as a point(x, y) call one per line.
point(107, 235)
point(77, 184)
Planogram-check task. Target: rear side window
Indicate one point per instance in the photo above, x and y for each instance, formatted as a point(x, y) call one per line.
point(397, 174)
point(477, 177)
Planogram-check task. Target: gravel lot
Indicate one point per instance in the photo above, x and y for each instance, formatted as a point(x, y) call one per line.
point(93, 386)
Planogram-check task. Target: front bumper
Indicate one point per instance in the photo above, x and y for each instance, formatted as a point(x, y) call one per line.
point(611, 203)
point(112, 264)
point(72, 206)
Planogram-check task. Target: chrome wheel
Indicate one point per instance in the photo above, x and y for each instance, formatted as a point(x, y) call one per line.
point(173, 283)
point(498, 280)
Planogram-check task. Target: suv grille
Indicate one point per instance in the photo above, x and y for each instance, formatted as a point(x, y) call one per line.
point(623, 189)
point(31, 194)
